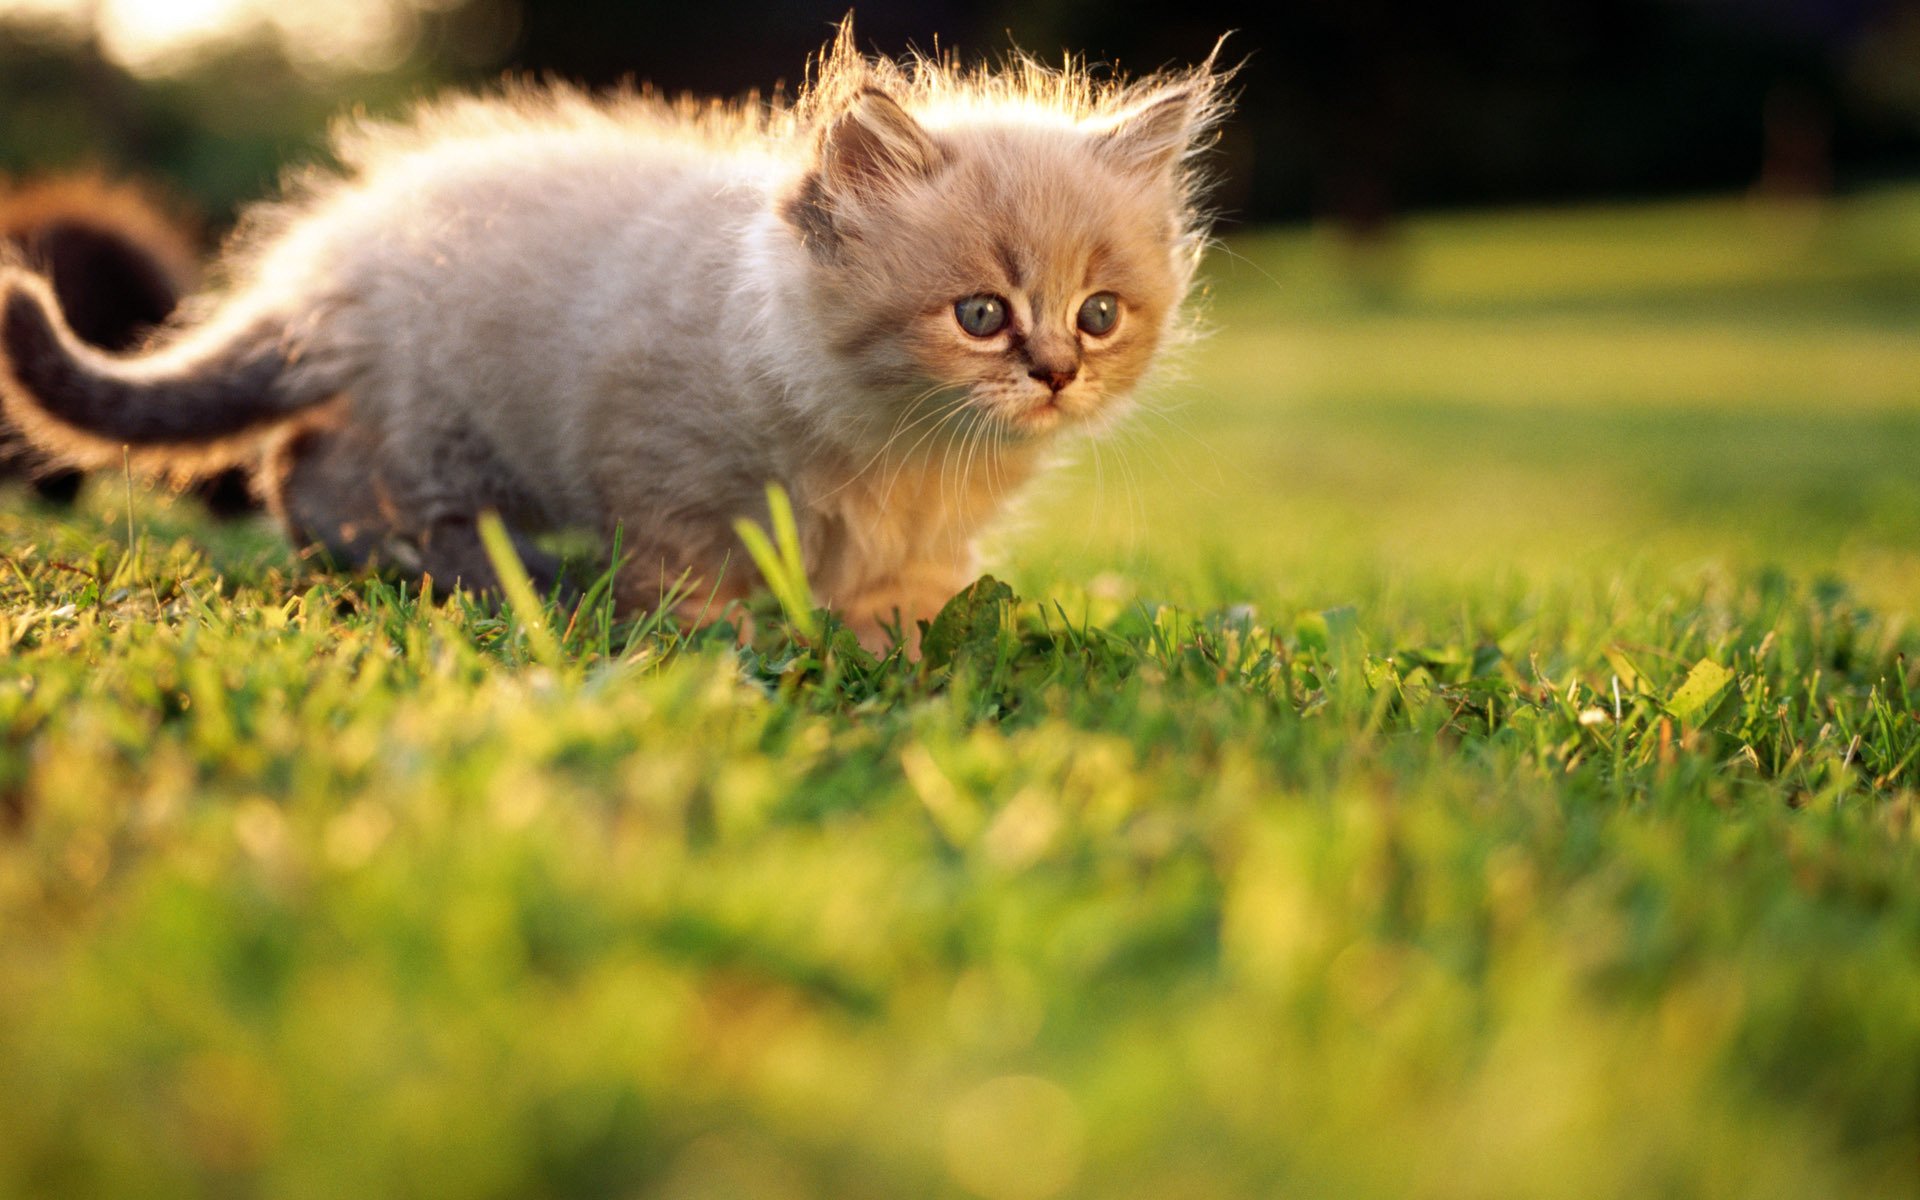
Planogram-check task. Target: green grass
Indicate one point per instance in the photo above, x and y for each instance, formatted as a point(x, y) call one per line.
point(1461, 745)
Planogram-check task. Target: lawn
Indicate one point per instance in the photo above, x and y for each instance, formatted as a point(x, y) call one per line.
point(1459, 743)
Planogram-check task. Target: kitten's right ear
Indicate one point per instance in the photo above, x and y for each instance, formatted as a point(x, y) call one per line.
point(875, 147)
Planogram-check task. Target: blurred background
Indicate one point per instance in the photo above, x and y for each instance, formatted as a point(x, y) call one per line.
point(1352, 110)
point(1527, 286)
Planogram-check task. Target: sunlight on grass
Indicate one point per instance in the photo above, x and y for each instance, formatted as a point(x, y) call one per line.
point(1664, 386)
point(1463, 742)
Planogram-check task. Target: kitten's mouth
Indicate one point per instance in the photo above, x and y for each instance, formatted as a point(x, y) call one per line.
point(1041, 417)
point(1048, 414)
point(1024, 416)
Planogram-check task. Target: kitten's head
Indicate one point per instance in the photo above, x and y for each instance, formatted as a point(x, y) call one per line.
point(1012, 247)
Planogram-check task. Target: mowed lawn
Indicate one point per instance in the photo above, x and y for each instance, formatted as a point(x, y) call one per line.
point(1461, 742)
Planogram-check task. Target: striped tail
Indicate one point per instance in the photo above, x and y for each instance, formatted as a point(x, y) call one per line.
point(214, 383)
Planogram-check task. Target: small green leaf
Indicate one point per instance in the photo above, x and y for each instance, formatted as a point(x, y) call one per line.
point(1707, 689)
point(968, 628)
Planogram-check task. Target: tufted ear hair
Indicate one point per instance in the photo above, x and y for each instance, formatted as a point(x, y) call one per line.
point(874, 147)
point(1154, 135)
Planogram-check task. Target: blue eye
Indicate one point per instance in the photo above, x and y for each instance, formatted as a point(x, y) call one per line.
point(1099, 312)
point(981, 316)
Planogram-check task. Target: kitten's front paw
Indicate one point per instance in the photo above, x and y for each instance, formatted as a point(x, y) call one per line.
point(877, 627)
point(876, 636)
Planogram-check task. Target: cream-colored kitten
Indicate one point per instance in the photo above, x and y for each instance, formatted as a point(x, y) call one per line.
point(891, 299)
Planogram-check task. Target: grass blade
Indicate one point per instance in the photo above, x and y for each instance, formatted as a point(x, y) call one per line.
point(522, 600)
point(780, 562)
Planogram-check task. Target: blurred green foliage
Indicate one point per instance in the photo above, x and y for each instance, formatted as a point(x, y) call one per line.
point(1462, 745)
point(213, 138)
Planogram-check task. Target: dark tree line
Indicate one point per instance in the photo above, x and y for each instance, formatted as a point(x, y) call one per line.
point(1356, 108)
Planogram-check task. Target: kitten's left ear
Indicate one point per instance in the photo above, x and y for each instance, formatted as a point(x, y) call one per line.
point(1151, 137)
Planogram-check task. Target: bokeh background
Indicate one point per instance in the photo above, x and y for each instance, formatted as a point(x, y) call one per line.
point(1352, 110)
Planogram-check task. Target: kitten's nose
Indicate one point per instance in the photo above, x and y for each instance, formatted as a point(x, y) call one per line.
point(1055, 377)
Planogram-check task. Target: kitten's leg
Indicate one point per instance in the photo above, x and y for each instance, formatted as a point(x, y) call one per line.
point(700, 583)
point(321, 485)
point(452, 552)
point(900, 603)
point(327, 490)
point(325, 486)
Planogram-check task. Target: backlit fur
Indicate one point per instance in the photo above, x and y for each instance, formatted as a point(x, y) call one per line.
point(632, 312)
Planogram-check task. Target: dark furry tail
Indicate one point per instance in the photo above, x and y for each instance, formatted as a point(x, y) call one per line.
point(118, 258)
point(216, 383)
point(119, 261)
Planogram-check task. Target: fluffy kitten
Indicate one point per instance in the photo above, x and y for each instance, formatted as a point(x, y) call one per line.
point(890, 298)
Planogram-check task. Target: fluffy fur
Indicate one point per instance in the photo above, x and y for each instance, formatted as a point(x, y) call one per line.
point(625, 312)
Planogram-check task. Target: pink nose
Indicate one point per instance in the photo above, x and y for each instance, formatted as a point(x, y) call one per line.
point(1055, 377)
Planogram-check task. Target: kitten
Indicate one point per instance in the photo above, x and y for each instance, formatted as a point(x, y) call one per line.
point(891, 298)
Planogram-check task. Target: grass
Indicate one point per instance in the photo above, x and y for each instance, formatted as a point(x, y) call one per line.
point(1462, 745)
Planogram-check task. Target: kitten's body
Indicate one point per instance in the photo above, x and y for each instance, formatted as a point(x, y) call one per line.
point(601, 313)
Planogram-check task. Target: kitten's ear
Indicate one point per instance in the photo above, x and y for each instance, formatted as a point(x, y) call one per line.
point(875, 146)
point(1155, 134)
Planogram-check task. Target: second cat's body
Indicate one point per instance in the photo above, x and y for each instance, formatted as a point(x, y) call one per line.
point(118, 260)
point(629, 315)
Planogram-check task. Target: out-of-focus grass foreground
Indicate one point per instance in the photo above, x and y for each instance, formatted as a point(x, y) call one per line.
point(1460, 742)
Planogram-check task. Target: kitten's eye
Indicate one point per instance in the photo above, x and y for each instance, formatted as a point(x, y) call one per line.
point(981, 316)
point(1099, 312)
